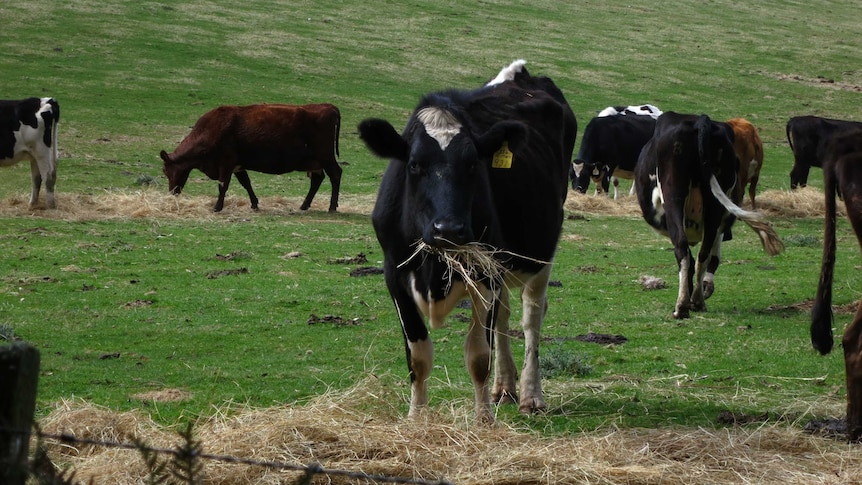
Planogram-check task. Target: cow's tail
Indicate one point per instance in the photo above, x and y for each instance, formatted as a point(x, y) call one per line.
point(337, 131)
point(789, 136)
point(821, 313)
point(768, 237)
point(54, 130)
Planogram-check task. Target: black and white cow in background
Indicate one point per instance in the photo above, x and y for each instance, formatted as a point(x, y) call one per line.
point(610, 147)
point(28, 130)
point(808, 137)
point(686, 186)
point(487, 167)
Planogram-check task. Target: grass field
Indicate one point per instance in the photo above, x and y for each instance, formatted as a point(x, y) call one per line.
point(129, 293)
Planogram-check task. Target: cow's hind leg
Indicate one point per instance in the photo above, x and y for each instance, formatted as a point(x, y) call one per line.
point(851, 174)
point(316, 177)
point(535, 301)
point(245, 181)
point(852, 344)
point(36, 178)
point(333, 171)
point(505, 375)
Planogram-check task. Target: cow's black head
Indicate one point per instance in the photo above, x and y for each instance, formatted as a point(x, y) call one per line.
point(445, 169)
point(177, 174)
point(584, 172)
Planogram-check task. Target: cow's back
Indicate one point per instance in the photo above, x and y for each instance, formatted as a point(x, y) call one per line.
point(528, 196)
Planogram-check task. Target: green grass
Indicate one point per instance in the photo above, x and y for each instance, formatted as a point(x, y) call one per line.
point(132, 77)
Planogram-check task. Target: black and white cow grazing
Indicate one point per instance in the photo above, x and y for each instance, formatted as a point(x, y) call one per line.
point(808, 137)
point(686, 185)
point(842, 174)
point(609, 150)
point(28, 130)
point(643, 109)
point(484, 168)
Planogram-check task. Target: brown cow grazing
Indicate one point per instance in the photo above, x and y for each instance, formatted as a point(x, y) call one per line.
point(749, 150)
point(842, 175)
point(268, 138)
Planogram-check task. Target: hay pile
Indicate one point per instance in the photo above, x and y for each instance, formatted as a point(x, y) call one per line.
point(157, 203)
point(807, 202)
point(360, 429)
point(153, 203)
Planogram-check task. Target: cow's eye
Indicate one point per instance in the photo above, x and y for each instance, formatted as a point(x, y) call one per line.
point(415, 168)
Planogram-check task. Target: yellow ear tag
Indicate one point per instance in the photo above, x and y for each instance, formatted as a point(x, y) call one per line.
point(503, 157)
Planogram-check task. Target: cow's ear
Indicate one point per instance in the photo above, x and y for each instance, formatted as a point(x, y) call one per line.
point(513, 132)
point(165, 157)
point(382, 139)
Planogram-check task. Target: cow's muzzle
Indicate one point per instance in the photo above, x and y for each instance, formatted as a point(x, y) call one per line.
point(447, 233)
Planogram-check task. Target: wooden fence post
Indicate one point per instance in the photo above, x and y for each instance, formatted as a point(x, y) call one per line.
point(19, 375)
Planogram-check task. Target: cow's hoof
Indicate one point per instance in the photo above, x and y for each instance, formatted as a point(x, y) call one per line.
point(532, 406)
point(708, 289)
point(332, 211)
point(681, 313)
point(304, 207)
point(504, 397)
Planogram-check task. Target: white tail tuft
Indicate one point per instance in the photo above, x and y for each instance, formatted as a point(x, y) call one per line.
point(508, 73)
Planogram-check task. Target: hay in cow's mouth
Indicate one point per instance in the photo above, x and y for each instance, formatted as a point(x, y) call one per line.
point(474, 262)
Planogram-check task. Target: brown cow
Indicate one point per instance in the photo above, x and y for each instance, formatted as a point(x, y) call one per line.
point(268, 138)
point(749, 150)
point(842, 175)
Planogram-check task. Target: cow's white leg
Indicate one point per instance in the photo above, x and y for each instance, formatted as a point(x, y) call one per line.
point(36, 177)
point(704, 258)
point(505, 375)
point(709, 277)
point(616, 183)
point(535, 300)
point(421, 363)
point(477, 352)
point(682, 301)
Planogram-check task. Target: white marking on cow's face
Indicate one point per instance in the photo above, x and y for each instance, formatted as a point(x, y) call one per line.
point(440, 125)
point(577, 167)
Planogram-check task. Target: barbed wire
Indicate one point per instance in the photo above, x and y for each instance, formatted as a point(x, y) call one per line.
point(308, 470)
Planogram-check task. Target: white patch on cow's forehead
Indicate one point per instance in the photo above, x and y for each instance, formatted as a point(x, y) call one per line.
point(440, 124)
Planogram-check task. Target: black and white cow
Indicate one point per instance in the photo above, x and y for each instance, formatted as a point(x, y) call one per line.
point(842, 174)
point(686, 185)
point(808, 137)
point(486, 168)
point(610, 148)
point(28, 130)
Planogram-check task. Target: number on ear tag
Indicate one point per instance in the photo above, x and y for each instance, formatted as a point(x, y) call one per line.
point(503, 157)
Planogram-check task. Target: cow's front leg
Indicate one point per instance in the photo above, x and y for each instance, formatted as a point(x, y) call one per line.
point(245, 181)
point(417, 345)
point(505, 389)
point(535, 301)
point(852, 344)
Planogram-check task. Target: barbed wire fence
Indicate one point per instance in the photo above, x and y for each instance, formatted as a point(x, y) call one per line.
point(185, 463)
point(182, 465)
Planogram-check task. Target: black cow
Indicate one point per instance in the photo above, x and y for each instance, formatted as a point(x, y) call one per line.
point(485, 168)
point(686, 185)
point(610, 147)
point(808, 136)
point(270, 138)
point(842, 174)
point(28, 130)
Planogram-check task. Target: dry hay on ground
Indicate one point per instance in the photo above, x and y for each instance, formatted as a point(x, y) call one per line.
point(361, 430)
point(807, 202)
point(158, 204)
point(153, 203)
